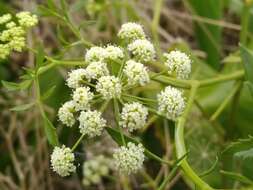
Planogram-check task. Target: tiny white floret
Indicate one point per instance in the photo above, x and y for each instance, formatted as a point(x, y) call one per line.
point(75, 78)
point(178, 63)
point(131, 31)
point(109, 86)
point(114, 53)
point(133, 116)
point(91, 123)
point(81, 97)
point(171, 102)
point(136, 73)
point(94, 54)
point(62, 161)
point(142, 50)
point(95, 70)
point(66, 113)
point(129, 159)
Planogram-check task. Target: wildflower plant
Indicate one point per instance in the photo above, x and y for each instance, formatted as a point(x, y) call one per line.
point(105, 80)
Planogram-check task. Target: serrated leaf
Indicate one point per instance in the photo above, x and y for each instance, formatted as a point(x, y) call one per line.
point(246, 154)
point(247, 58)
point(48, 93)
point(238, 177)
point(22, 107)
point(115, 134)
point(12, 86)
point(50, 131)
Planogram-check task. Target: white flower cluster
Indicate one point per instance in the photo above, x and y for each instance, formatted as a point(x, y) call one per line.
point(95, 83)
point(13, 34)
point(131, 31)
point(66, 113)
point(133, 116)
point(129, 159)
point(94, 169)
point(26, 19)
point(142, 50)
point(91, 123)
point(136, 73)
point(62, 161)
point(111, 53)
point(114, 53)
point(109, 87)
point(75, 78)
point(171, 102)
point(95, 70)
point(178, 63)
point(81, 97)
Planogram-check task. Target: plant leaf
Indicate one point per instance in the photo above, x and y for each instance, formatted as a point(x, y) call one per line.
point(22, 107)
point(247, 58)
point(48, 93)
point(238, 177)
point(245, 154)
point(250, 86)
point(40, 56)
point(12, 86)
point(50, 131)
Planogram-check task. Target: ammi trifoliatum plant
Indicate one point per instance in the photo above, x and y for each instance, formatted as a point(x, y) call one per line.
point(96, 83)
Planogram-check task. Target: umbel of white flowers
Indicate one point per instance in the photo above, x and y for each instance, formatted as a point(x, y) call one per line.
point(13, 36)
point(171, 102)
point(96, 81)
point(62, 161)
point(133, 116)
point(94, 169)
point(129, 159)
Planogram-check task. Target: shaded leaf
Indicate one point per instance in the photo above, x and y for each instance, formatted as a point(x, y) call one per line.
point(247, 58)
point(50, 131)
point(238, 177)
point(12, 86)
point(48, 93)
point(22, 107)
point(245, 154)
point(40, 56)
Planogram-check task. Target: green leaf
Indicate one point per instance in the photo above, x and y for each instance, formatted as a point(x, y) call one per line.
point(40, 56)
point(237, 176)
point(115, 134)
point(50, 131)
point(239, 145)
point(22, 107)
point(247, 58)
point(208, 36)
point(48, 93)
point(12, 86)
point(246, 154)
point(51, 4)
point(250, 86)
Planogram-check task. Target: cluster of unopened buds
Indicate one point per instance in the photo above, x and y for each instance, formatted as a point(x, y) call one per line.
point(98, 82)
point(13, 34)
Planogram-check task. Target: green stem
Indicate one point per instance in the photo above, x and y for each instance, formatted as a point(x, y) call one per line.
point(140, 98)
point(225, 102)
point(155, 25)
point(180, 144)
point(77, 142)
point(117, 118)
point(168, 178)
point(223, 78)
point(245, 23)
